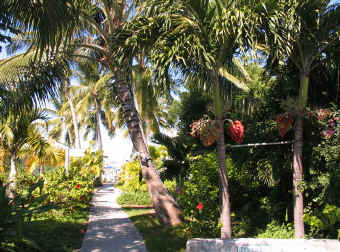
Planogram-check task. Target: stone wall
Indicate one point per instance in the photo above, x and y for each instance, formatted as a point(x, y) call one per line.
point(262, 245)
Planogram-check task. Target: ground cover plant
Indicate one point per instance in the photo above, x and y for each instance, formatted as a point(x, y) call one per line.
point(48, 213)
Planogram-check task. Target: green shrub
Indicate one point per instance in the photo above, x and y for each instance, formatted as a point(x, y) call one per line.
point(91, 162)
point(277, 231)
point(201, 187)
point(171, 186)
point(129, 179)
point(324, 223)
point(69, 190)
point(134, 198)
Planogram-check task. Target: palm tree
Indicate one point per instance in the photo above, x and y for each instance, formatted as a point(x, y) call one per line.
point(59, 21)
point(198, 38)
point(17, 130)
point(73, 114)
point(41, 153)
point(24, 41)
point(61, 123)
point(90, 96)
point(152, 101)
point(303, 32)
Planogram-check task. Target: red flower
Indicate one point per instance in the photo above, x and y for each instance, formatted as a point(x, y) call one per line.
point(199, 206)
point(78, 186)
point(180, 192)
point(236, 130)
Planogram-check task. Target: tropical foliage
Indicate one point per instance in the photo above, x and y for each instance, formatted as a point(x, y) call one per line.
point(249, 90)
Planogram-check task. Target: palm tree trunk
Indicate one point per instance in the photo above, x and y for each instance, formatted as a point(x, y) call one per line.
point(222, 169)
point(98, 131)
point(166, 207)
point(12, 178)
point(99, 136)
point(224, 190)
point(75, 121)
point(67, 160)
point(297, 158)
point(298, 178)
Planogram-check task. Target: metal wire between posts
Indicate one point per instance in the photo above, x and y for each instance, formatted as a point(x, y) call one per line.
point(257, 144)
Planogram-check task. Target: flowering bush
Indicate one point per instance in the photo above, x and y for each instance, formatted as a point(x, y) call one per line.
point(199, 199)
point(332, 122)
point(69, 190)
point(322, 214)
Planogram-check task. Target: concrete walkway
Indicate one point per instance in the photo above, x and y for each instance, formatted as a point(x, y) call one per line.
point(110, 229)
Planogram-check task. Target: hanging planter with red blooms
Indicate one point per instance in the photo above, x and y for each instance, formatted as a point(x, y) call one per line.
point(205, 129)
point(236, 130)
point(284, 123)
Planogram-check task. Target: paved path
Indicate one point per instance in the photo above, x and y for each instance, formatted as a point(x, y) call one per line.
point(110, 229)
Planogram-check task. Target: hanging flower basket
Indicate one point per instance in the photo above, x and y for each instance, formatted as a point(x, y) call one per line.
point(284, 123)
point(205, 129)
point(236, 130)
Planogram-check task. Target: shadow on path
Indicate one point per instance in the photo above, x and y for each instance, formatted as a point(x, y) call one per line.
point(109, 227)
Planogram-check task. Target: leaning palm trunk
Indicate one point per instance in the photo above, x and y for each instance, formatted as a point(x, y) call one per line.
point(166, 207)
point(12, 178)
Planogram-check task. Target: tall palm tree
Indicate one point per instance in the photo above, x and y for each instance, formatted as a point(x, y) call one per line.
point(302, 31)
point(198, 38)
point(75, 122)
point(61, 21)
point(61, 123)
point(17, 130)
point(90, 95)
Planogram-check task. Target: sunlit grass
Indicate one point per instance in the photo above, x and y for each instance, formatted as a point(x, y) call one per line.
point(157, 237)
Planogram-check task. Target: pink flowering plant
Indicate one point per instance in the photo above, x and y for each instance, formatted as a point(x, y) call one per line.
point(328, 145)
point(330, 119)
point(321, 216)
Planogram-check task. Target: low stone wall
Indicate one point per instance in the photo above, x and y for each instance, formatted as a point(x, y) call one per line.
point(262, 245)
